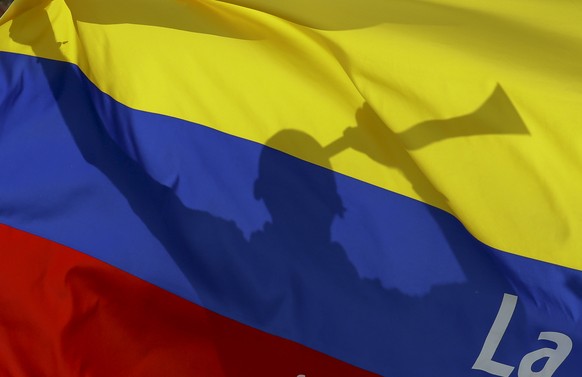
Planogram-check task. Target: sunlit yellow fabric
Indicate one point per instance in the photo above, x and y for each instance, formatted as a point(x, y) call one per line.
point(473, 107)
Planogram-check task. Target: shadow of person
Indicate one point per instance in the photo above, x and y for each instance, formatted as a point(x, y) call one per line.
point(317, 287)
point(290, 278)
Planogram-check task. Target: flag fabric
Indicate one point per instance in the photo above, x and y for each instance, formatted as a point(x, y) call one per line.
point(316, 188)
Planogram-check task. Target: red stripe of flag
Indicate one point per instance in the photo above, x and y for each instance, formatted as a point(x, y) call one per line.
point(63, 313)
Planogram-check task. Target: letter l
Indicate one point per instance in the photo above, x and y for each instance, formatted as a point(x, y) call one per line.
point(485, 360)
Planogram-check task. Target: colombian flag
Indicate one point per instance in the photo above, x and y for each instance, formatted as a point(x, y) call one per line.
point(291, 188)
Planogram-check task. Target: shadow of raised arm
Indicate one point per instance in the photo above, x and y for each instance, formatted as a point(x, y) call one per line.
point(194, 239)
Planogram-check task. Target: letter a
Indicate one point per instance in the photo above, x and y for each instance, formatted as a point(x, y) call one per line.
point(555, 356)
point(485, 360)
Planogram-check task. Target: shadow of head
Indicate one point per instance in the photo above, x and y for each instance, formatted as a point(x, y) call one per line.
point(300, 196)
